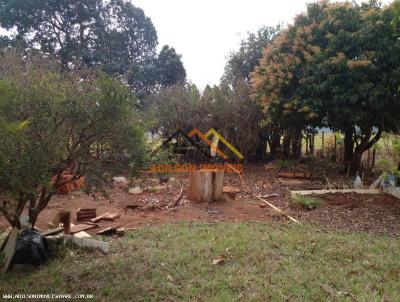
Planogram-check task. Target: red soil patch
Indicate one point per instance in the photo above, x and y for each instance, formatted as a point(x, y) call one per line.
point(378, 214)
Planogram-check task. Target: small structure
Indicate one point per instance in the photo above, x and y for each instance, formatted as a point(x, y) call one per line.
point(206, 185)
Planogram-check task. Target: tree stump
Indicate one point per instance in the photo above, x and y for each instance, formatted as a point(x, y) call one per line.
point(206, 185)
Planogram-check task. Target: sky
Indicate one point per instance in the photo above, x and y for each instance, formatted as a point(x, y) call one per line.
point(205, 32)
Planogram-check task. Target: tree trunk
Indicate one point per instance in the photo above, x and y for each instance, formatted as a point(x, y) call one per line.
point(286, 144)
point(296, 144)
point(365, 145)
point(348, 146)
point(312, 143)
point(274, 144)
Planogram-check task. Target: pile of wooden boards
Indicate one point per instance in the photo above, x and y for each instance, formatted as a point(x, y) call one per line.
point(85, 214)
point(69, 185)
point(106, 216)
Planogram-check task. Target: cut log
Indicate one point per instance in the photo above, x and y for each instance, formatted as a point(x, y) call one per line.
point(206, 185)
point(98, 218)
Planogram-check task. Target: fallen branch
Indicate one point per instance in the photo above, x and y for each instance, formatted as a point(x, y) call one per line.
point(179, 196)
point(269, 195)
point(260, 198)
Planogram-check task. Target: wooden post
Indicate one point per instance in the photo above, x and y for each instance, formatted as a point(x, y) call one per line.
point(65, 219)
point(206, 185)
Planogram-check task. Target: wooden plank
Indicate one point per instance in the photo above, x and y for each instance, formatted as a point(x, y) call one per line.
point(112, 229)
point(81, 227)
point(306, 175)
point(98, 218)
point(9, 249)
point(53, 231)
point(88, 213)
point(228, 189)
point(82, 234)
point(89, 243)
point(344, 191)
point(112, 217)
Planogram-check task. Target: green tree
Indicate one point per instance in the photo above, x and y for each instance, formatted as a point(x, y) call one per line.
point(242, 62)
point(336, 66)
point(51, 122)
point(113, 35)
point(169, 67)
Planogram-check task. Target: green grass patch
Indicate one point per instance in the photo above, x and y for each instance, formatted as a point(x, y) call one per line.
point(262, 262)
point(306, 201)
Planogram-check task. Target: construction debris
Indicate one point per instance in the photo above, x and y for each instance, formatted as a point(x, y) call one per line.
point(108, 231)
point(112, 217)
point(81, 227)
point(53, 231)
point(9, 249)
point(120, 181)
point(98, 218)
point(85, 214)
point(306, 175)
point(321, 192)
point(135, 191)
point(63, 217)
point(104, 247)
point(263, 200)
point(68, 184)
point(230, 191)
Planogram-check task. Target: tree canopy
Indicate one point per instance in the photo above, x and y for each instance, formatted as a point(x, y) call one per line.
point(336, 66)
point(50, 122)
point(113, 35)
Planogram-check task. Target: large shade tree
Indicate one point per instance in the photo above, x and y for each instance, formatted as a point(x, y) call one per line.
point(336, 66)
point(114, 35)
point(51, 122)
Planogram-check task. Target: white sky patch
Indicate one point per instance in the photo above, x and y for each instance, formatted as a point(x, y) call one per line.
point(205, 32)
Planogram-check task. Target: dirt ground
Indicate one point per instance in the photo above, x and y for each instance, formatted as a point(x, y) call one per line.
point(378, 214)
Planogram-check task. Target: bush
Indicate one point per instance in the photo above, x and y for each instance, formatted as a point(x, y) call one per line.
point(52, 122)
point(308, 202)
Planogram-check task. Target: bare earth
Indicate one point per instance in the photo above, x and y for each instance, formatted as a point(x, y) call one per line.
point(378, 214)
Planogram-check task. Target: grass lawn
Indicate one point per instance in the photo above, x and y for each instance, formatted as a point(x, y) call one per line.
point(258, 262)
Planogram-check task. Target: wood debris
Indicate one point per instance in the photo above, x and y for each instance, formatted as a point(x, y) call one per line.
point(230, 191)
point(112, 217)
point(322, 192)
point(98, 218)
point(85, 214)
point(9, 249)
point(306, 175)
point(81, 227)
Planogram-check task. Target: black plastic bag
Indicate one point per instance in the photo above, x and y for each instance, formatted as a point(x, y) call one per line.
point(31, 249)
